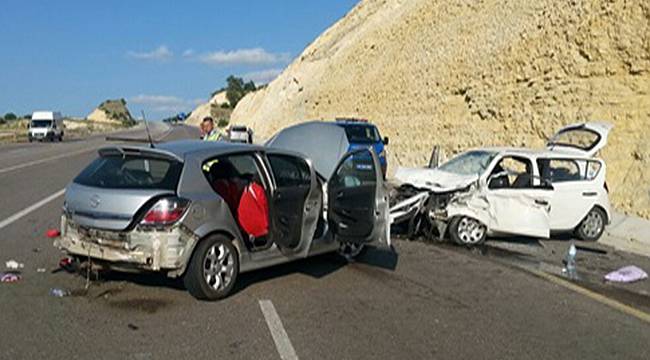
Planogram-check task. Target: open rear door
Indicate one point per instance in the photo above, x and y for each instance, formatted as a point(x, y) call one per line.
point(584, 138)
point(358, 201)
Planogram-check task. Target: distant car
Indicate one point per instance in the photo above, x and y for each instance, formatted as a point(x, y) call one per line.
point(208, 211)
point(45, 125)
point(361, 134)
point(517, 191)
point(240, 134)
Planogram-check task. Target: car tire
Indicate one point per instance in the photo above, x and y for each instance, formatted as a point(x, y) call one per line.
point(467, 231)
point(350, 252)
point(591, 228)
point(213, 269)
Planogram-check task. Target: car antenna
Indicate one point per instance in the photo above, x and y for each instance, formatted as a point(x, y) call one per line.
point(146, 127)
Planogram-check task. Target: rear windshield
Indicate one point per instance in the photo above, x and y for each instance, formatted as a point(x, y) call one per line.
point(361, 134)
point(578, 138)
point(131, 172)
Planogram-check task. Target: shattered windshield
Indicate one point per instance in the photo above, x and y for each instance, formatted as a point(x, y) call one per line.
point(469, 163)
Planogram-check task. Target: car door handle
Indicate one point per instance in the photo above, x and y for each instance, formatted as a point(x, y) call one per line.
point(541, 202)
point(589, 194)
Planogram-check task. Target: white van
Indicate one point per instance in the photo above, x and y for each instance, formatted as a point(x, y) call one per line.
point(46, 125)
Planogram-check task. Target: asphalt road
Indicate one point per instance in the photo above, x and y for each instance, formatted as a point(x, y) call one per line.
point(423, 302)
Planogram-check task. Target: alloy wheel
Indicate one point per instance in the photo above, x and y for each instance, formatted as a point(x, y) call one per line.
point(470, 231)
point(218, 266)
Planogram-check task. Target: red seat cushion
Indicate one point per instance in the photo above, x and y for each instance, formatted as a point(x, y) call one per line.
point(253, 210)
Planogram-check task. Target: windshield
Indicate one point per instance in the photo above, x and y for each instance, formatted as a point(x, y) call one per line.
point(41, 123)
point(361, 134)
point(131, 172)
point(469, 163)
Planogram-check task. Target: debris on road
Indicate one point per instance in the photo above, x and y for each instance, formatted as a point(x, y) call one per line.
point(41, 270)
point(10, 277)
point(570, 263)
point(58, 292)
point(53, 233)
point(14, 265)
point(627, 274)
point(68, 264)
point(133, 326)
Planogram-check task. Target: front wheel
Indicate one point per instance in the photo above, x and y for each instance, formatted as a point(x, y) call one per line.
point(213, 269)
point(351, 251)
point(593, 225)
point(467, 231)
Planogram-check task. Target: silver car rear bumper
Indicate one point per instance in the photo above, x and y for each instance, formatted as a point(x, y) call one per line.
point(147, 250)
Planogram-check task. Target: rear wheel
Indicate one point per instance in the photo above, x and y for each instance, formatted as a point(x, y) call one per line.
point(467, 231)
point(593, 225)
point(213, 269)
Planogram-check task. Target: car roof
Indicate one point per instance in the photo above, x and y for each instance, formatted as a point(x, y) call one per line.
point(182, 149)
point(535, 153)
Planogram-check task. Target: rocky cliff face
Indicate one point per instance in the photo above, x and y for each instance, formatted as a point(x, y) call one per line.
point(468, 73)
point(112, 111)
point(211, 108)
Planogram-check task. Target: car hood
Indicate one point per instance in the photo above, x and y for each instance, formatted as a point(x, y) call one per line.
point(323, 143)
point(433, 179)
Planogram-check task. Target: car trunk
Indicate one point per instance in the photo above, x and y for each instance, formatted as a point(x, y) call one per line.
point(116, 188)
point(107, 209)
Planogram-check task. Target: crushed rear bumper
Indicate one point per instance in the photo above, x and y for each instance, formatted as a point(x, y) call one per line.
point(165, 250)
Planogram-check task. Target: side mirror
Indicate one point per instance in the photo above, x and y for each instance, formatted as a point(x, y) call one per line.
point(385, 141)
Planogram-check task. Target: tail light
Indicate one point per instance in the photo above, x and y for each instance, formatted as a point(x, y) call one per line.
point(606, 187)
point(165, 211)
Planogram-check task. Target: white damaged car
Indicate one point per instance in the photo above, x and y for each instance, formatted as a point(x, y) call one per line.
point(512, 191)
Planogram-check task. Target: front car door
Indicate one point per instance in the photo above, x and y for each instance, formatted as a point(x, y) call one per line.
point(295, 203)
point(517, 205)
point(358, 202)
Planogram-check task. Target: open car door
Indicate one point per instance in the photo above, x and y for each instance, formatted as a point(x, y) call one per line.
point(358, 202)
point(583, 138)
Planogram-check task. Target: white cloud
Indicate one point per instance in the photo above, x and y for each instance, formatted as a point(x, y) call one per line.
point(254, 56)
point(165, 103)
point(188, 53)
point(262, 76)
point(159, 54)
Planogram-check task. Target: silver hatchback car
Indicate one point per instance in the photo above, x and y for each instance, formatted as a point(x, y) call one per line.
point(208, 211)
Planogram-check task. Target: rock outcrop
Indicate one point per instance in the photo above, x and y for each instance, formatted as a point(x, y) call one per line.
point(112, 111)
point(468, 73)
point(211, 108)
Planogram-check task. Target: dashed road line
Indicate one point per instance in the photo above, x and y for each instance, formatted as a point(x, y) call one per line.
point(26, 211)
point(36, 162)
point(280, 337)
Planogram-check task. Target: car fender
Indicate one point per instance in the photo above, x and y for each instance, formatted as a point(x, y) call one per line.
point(472, 205)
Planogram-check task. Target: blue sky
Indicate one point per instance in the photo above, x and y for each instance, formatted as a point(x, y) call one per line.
point(162, 56)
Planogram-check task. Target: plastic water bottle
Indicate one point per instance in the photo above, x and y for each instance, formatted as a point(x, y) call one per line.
point(570, 267)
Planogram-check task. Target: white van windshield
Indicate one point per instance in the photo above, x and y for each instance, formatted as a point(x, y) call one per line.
point(41, 123)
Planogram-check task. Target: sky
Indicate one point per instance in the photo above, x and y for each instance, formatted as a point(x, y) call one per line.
point(163, 57)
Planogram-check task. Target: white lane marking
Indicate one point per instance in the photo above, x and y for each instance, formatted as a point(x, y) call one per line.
point(8, 221)
point(36, 162)
point(280, 337)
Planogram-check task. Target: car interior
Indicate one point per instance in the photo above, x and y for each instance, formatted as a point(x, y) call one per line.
point(237, 180)
point(512, 173)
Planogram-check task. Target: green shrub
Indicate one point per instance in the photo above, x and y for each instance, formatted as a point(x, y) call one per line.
point(223, 122)
point(10, 116)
